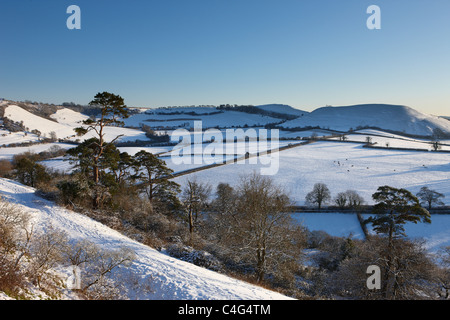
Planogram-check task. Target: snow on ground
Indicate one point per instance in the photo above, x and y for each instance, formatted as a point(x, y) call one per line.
point(342, 166)
point(9, 153)
point(283, 109)
point(68, 120)
point(436, 234)
point(389, 117)
point(393, 142)
point(194, 109)
point(3, 296)
point(170, 278)
point(69, 117)
point(112, 132)
point(304, 134)
point(32, 122)
point(59, 164)
point(222, 119)
point(7, 137)
point(335, 224)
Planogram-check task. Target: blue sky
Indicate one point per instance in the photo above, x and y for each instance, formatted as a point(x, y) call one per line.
point(305, 53)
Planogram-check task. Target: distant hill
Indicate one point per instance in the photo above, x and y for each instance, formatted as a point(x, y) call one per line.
point(395, 118)
point(388, 117)
point(282, 109)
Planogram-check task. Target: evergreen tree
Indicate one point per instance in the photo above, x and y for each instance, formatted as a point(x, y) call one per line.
point(113, 109)
point(394, 208)
point(112, 167)
point(29, 171)
point(154, 177)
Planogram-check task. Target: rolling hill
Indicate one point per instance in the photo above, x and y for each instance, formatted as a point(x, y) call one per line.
point(395, 118)
point(388, 117)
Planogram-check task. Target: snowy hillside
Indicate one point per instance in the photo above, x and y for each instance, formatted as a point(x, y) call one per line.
point(68, 117)
point(34, 122)
point(210, 118)
point(282, 109)
point(65, 120)
point(169, 278)
point(388, 117)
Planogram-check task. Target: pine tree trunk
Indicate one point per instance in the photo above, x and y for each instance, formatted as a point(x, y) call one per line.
point(390, 281)
point(96, 198)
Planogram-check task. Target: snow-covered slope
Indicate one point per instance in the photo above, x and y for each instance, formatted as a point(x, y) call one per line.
point(216, 118)
point(65, 121)
point(34, 122)
point(69, 117)
point(388, 117)
point(170, 278)
point(282, 109)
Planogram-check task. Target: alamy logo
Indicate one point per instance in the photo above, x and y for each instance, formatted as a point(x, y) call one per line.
point(256, 146)
point(374, 280)
point(73, 281)
point(374, 21)
point(74, 21)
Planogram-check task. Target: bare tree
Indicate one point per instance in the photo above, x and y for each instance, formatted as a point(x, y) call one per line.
point(195, 198)
point(430, 197)
point(260, 228)
point(341, 200)
point(413, 268)
point(355, 201)
point(443, 290)
point(319, 195)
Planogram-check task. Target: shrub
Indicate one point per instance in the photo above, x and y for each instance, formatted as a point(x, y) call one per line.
point(197, 257)
point(6, 168)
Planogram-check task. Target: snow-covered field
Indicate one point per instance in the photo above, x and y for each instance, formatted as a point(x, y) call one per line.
point(7, 137)
point(169, 278)
point(343, 166)
point(8, 153)
point(386, 140)
point(223, 119)
point(436, 234)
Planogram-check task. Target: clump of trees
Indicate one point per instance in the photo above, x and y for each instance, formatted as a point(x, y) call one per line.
point(253, 226)
point(104, 174)
point(350, 199)
point(29, 171)
point(153, 135)
point(407, 269)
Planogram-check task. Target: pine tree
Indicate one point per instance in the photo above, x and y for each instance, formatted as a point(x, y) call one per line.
point(394, 208)
point(112, 110)
point(155, 177)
